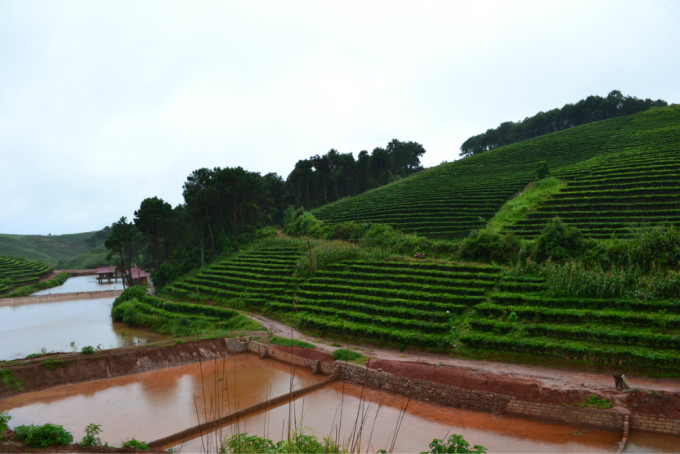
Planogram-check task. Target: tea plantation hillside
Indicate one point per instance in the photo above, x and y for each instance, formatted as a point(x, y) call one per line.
point(250, 279)
point(17, 272)
point(634, 181)
point(50, 249)
point(462, 308)
point(452, 199)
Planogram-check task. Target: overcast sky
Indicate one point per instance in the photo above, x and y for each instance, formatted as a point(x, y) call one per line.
point(106, 103)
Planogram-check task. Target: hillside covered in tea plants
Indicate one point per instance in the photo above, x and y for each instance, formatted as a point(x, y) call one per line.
point(584, 272)
point(619, 173)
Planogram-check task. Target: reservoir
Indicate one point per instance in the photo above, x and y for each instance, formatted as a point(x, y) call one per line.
point(155, 404)
point(66, 326)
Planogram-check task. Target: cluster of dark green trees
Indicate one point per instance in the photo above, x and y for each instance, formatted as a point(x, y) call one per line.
point(593, 108)
point(324, 179)
point(223, 207)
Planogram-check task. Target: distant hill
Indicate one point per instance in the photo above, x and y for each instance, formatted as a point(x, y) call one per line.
point(452, 199)
point(57, 251)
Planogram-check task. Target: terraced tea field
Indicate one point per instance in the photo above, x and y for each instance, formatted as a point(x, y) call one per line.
point(16, 272)
point(253, 277)
point(639, 184)
point(407, 303)
point(452, 199)
point(634, 333)
point(480, 308)
point(629, 162)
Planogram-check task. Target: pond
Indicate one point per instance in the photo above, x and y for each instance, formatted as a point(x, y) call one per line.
point(64, 327)
point(156, 404)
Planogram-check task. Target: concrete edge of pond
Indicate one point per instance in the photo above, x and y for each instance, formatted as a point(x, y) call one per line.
point(49, 371)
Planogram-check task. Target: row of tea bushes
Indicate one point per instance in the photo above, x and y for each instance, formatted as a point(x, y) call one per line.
point(452, 199)
point(249, 279)
point(404, 302)
point(637, 182)
point(615, 331)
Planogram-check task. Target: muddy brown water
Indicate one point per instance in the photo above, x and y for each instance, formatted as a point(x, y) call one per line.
point(375, 420)
point(156, 404)
point(64, 327)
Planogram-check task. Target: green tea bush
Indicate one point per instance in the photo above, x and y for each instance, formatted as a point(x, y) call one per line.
point(130, 293)
point(558, 241)
point(44, 436)
point(488, 246)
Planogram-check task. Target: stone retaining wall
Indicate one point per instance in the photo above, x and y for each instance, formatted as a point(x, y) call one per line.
point(655, 424)
point(58, 297)
point(484, 401)
point(593, 417)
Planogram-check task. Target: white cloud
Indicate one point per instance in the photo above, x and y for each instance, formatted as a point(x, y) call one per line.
point(133, 96)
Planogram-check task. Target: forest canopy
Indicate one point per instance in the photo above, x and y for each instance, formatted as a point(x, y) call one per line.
point(593, 108)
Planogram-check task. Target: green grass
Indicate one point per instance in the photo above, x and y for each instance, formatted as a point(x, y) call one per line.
point(596, 402)
point(524, 202)
point(289, 342)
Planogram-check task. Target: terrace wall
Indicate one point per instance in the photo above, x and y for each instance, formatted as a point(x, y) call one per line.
point(484, 401)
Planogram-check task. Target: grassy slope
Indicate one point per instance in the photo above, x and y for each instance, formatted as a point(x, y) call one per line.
point(51, 249)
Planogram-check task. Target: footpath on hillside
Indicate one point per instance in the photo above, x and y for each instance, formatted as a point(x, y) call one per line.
point(547, 377)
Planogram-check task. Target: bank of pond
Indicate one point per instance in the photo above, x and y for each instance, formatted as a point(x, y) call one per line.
point(154, 404)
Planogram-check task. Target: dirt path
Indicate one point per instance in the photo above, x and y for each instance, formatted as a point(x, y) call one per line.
point(560, 379)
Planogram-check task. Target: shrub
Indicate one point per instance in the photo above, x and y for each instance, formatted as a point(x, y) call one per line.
point(132, 443)
point(87, 350)
point(489, 246)
point(543, 170)
point(305, 224)
point(455, 444)
point(325, 253)
point(44, 436)
point(4, 419)
point(130, 293)
point(558, 241)
point(91, 435)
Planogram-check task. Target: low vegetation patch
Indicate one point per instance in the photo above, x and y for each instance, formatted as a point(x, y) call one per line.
point(44, 436)
point(596, 402)
point(345, 354)
point(286, 342)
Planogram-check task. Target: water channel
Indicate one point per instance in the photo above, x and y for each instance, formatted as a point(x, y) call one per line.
point(155, 404)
